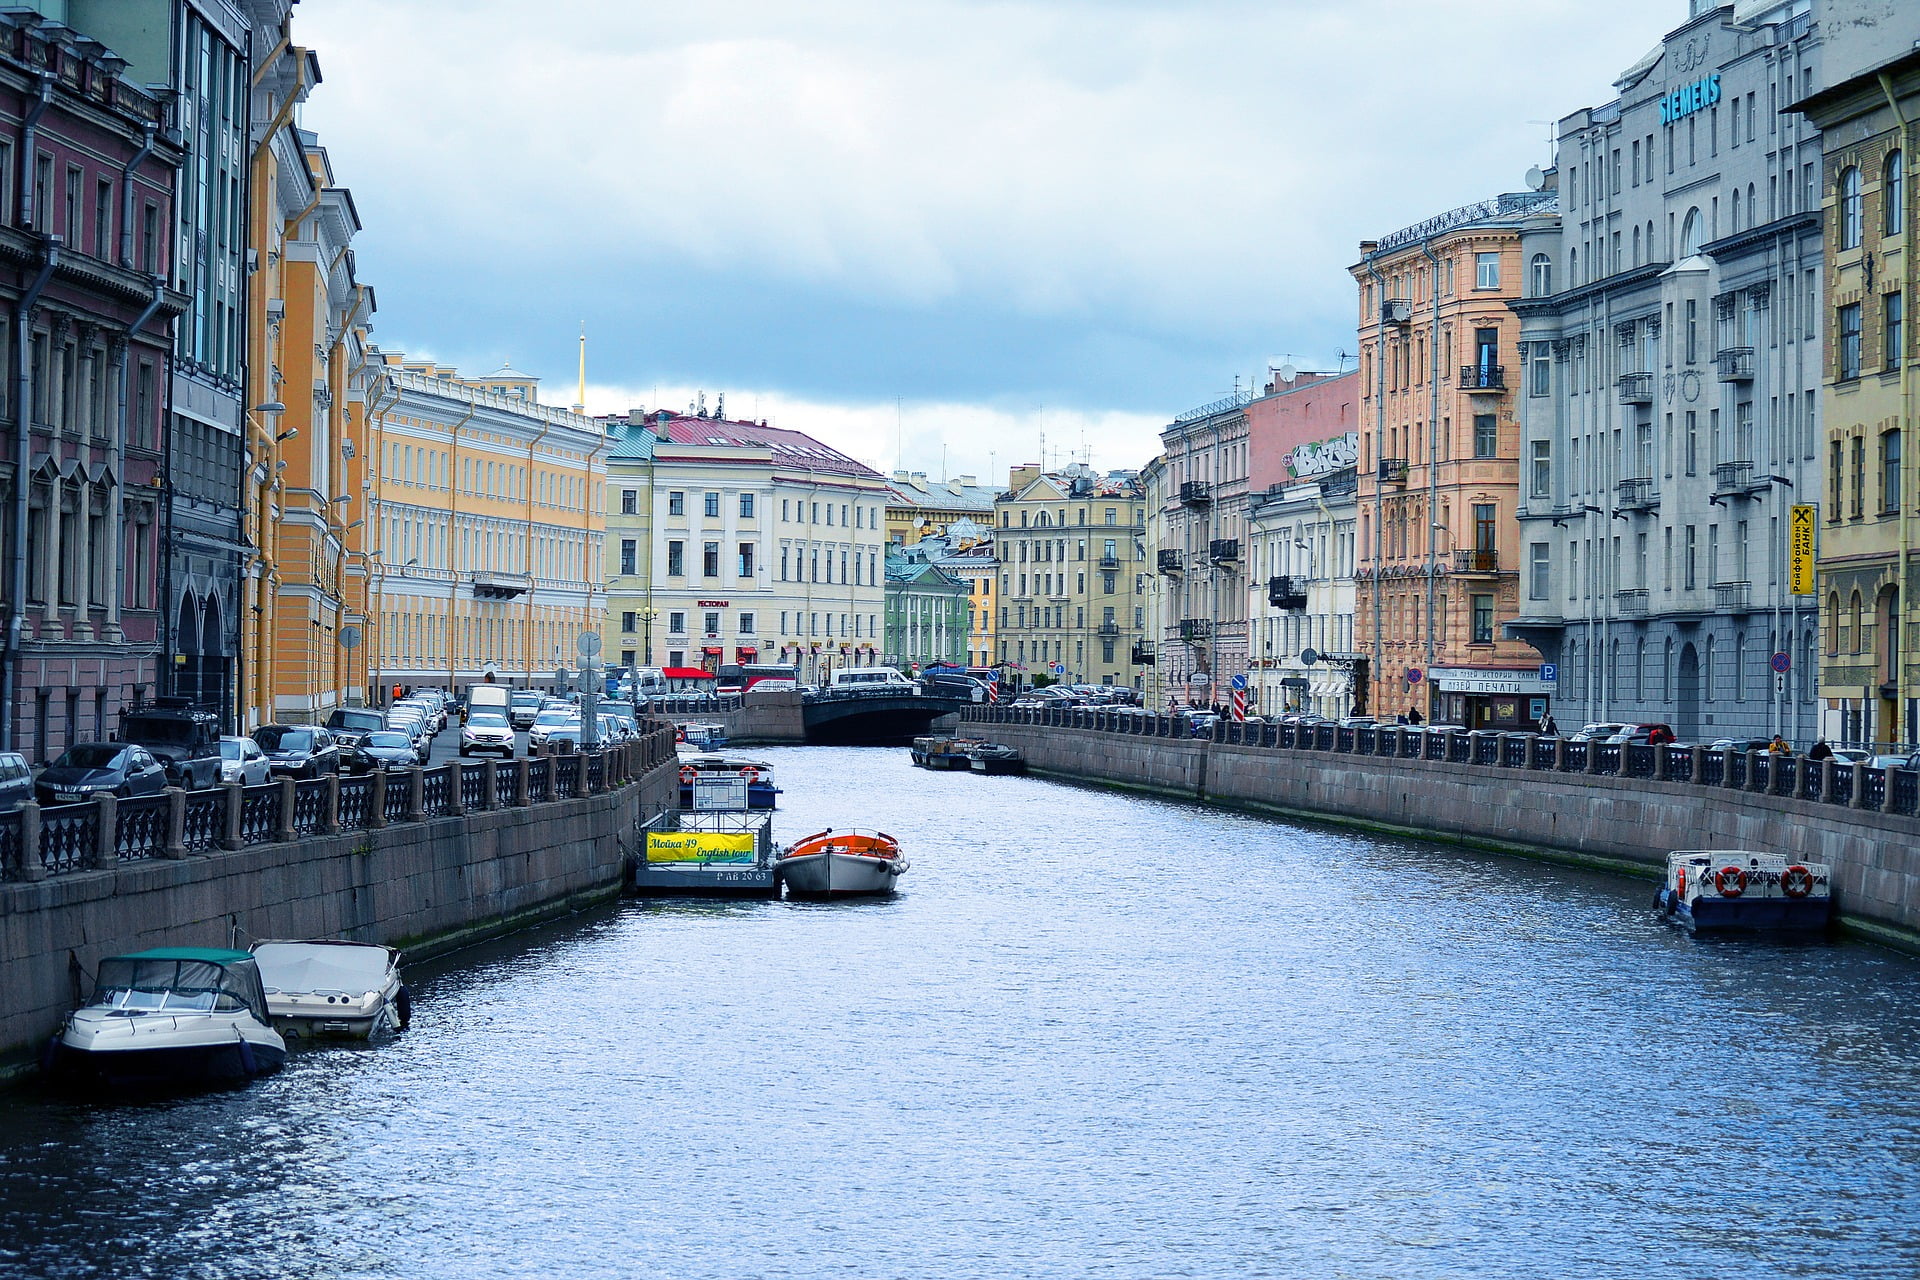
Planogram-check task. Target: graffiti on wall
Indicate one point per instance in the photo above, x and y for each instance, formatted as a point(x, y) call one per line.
point(1318, 457)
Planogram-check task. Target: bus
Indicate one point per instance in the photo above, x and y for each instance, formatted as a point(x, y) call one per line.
point(738, 677)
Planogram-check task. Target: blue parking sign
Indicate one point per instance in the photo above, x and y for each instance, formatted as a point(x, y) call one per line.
point(1550, 672)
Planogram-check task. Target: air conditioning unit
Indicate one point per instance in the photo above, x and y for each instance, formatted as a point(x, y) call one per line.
point(1397, 311)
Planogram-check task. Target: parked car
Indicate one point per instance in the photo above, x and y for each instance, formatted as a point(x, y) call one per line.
point(414, 723)
point(87, 769)
point(351, 725)
point(524, 707)
point(547, 721)
point(1644, 735)
point(16, 780)
point(242, 761)
point(1742, 745)
point(1599, 731)
point(184, 738)
point(387, 749)
point(435, 712)
point(486, 731)
point(298, 750)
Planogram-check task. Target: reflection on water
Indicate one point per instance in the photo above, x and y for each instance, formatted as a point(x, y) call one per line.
point(1094, 1034)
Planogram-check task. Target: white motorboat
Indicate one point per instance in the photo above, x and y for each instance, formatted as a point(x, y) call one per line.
point(841, 865)
point(175, 1017)
point(1737, 889)
point(325, 989)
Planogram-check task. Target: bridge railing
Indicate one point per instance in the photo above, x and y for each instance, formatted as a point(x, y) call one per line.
point(37, 842)
point(1832, 782)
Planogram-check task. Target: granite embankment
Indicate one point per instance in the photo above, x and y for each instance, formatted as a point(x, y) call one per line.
point(1537, 803)
point(426, 860)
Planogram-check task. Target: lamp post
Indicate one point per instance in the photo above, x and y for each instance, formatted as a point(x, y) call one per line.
point(1433, 589)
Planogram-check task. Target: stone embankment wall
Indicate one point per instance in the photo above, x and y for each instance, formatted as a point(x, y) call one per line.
point(555, 841)
point(750, 719)
point(1623, 824)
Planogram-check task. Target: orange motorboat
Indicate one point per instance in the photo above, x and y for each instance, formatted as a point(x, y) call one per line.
point(838, 864)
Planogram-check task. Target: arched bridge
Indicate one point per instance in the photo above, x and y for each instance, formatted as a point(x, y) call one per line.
point(874, 715)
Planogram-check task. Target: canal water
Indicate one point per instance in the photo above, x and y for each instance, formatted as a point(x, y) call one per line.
point(1094, 1035)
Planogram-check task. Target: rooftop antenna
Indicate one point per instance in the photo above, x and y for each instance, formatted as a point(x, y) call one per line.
point(580, 399)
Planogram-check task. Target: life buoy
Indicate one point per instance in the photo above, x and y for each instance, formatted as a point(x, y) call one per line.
point(749, 774)
point(688, 773)
point(1730, 881)
point(1681, 888)
point(679, 733)
point(1796, 881)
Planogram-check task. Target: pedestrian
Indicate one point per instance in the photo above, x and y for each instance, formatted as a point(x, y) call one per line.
point(1548, 729)
point(1659, 736)
point(1414, 716)
point(1779, 747)
point(1820, 751)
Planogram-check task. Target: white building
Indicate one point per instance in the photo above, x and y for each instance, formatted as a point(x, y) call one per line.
point(1301, 595)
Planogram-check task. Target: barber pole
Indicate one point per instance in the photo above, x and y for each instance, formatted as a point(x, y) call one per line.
point(1240, 705)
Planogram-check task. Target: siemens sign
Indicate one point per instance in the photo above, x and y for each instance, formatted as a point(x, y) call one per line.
point(1698, 96)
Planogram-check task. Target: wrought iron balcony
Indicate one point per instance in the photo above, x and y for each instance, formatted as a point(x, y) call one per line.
point(1393, 471)
point(1736, 364)
point(1635, 388)
point(1631, 602)
point(1737, 480)
point(1224, 551)
point(1109, 562)
point(1196, 628)
point(1169, 561)
point(1483, 377)
point(1638, 495)
point(1143, 655)
point(493, 585)
point(1732, 597)
point(1287, 593)
point(1476, 560)
point(1195, 493)
point(1109, 628)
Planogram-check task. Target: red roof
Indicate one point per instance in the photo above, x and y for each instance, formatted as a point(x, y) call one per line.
point(790, 448)
point(686, 673)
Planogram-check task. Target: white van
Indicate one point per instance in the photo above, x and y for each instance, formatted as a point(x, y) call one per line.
point(870, 678)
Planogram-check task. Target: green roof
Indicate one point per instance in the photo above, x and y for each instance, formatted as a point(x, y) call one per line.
point(213, 955)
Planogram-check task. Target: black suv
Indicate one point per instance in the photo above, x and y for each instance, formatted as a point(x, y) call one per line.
point(298, 750)
point(351, 725)
point(185, 740)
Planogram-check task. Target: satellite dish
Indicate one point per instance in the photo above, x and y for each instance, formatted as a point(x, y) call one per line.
point(1287, 373)
point(1535, 179)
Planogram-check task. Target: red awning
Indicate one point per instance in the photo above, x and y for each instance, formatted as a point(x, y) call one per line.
point(745, 648)
point(686, 673)
point(715, 650)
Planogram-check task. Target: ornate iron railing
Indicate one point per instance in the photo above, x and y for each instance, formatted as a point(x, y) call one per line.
point(140, 828)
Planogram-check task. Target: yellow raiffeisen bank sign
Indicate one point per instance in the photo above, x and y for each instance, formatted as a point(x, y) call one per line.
point(699, 846)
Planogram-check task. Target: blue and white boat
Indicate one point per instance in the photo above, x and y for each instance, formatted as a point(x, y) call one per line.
point(1739, 890)
point(757, 774)
point(170, 1018)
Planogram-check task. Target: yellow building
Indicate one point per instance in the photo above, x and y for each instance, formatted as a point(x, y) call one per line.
point(1073, 575)
point(487, 526)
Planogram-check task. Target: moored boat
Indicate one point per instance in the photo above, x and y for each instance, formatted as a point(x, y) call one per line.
point(333, 989)
point(841, 864)
point(170, 1018)
point(993, 757)
point(758, 775)
point(1719, 889)
point(940, 751)
point(703, 735)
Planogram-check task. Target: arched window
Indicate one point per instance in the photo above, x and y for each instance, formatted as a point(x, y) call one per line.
point(1707, 672)
point(1573, 268)
point(1893, 192)
point(1736, 208)
point(1833, 622)
point(1636, 245)
point(1540, 276)
point(1859, 625)
point(1690, 234)
point(1640, 670)
point(1848, 191)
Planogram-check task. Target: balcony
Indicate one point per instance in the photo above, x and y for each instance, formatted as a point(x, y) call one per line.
point(1638, 495)
point(1732, 597)
point(1393, 471)
point(1635, 388)
point(1196, 628)
point(1109, 562)
point(1736, 364)
point(1632, 602)
point(1143, 655)
point(1737, 480)
point(1476, 560)
point(1224, 551)
point(1168, 561)
point(1483, 377)
point(1287, 593)
point(1109, 629)
point(500, 586)
point(1195, 493)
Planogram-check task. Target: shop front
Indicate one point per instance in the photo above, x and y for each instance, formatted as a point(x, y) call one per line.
point(1490, 697)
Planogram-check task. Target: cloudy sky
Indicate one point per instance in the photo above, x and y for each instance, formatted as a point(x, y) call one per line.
point(928, 229)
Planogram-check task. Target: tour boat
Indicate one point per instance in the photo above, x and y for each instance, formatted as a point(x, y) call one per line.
point(330, 989)
point(994, 757)
point(175, 1017)
point(761, 792)
point(703, 735)
point(1712, 889)
point(939, 751)
point(839, 864)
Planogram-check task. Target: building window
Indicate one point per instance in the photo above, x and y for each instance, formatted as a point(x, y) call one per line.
point(710, 559)
point(629, 502)
point(1540, 379)
point(1893, 308)
point(676, 624)
point(1486, 271)
point(1537, 565)
point(746, 506)
point(676, 559)
point(676, 503)
point(1890, 472)
point(626, 620)
point(1540, 483)
point(628, 551)
point(712, 506)
point(746, 559)
point(1848, 327)
point(1486, 435)
point(1851, 221)
point(1541, 277)
point(1482, 619)
point(710, 623)
point(746, 624)
point(1859, 476)
point(1893, 194)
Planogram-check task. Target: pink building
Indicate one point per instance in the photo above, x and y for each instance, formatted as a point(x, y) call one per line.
point(1303, 429)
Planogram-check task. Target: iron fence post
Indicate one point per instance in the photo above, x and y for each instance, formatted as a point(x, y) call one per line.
point(230, 829)
point(106, 819)
point(377, 800)
point(330, 804)
point(416, 794)
point(490, 784)
point(288, 798)
point(176, 845)
point(32, 866)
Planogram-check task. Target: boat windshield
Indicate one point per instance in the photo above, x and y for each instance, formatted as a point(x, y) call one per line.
point(170, 984)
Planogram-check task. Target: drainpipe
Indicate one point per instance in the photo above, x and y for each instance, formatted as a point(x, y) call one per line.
point(1433, 464)
point(1905, 529)
point(126, 197)
point(1379, 434)
point(29, 134)
point(22, 463)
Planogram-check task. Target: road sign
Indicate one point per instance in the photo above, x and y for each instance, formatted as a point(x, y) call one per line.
point(993, 677)
point(588, 644)
point(1199, 677)
point(349, 637)
point(1309, 656)
point(1800, 548)
point(1058, 668)
point(1415, 675)
point(1239, 682)
point(1781, 663)
point(1549, 673)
